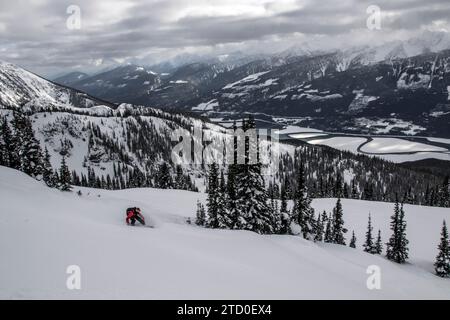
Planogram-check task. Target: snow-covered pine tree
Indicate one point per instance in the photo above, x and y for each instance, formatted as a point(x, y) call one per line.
point(368, 245)
point(231, 196)
point(303, 213)
point(179, 179)
point(338, 229)
point(251, 193)
point(76, 179)
point(200, 219)
point(284, 213)
point(397, 247)
point(224, 220)
point(19, 124)
point(338, 187)
point(378, 244)
point(213, 196)
point(30, 150)
point(12, 146)
point(64, 176)
point(277, 218)
point(2, 145)
point(251, 201)
point(318, 232)
point(354, 191)
point(444, 193)
point(328, 238)
point(274, 209)
point(4, 133)
point(47, 170)
point(442, 264)
point(392, 244)
point(353, 240)
point(138, 179)
point(403, 252)
point(164, 177)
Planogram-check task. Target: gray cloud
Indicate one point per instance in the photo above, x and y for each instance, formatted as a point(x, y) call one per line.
point(33, 33)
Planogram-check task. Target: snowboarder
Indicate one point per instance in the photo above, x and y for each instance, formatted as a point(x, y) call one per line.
point(134, 214)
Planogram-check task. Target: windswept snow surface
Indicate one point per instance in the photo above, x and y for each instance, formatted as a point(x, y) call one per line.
point(394, 145)
point(206, 106)
point(43, 231)
point(341, 143)
point(296, 129)
point(250, 78)
point(440, 140)
point(307, 135)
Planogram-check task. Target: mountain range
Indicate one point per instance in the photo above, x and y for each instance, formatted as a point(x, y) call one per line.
point(96, 137)
point(350, 90)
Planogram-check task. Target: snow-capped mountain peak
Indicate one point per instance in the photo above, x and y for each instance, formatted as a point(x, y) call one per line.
point(19, 87)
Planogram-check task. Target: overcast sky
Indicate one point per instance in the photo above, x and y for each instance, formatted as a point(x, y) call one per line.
point(34, 33)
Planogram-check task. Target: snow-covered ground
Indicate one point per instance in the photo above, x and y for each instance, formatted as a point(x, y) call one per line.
point(43, 231)
point(440, 140)
point(307, 135)
point(395, 145)
point(393, 149)
point(206, 106)
point(296, 129)
point(341, 143)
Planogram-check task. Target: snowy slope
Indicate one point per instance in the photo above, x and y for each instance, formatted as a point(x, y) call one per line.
point(19, 87)
point(39, 239)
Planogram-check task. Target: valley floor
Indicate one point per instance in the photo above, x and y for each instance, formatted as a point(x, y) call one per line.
point(43, 231)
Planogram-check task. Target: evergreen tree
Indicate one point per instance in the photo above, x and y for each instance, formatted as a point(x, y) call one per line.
point(231, 196)
point(251, 195)
point(353, 241)
point(442, 264)
point(164, 178)
point(201, 215)
point(64, 176)
point(338, 229)
point(338, 191)
point(30, 150)
point(328, 238)
point(179, 179)
point(355, 194)
point(2, 145)
point(213, 196)
point(139, 180)
point(318, 230)
point(284, 214)
point(223, 218)
point(303, 213)
point(251, 201)
point(378, 244)
point(47, 171)
point(368, 245)
point(278, 226)
point(444, 193)
point(11, 143)
point(5, 143)
point(397, 247)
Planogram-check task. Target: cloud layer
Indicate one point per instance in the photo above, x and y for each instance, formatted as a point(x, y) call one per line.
point(34, 33)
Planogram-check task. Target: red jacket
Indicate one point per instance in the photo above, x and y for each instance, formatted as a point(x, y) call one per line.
point(130, 214)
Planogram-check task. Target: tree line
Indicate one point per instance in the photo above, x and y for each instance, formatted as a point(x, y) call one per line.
point(242, 202)
point(21, 150)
